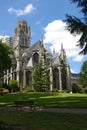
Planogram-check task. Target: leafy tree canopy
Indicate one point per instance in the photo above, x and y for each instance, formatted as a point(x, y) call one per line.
point(79, 26)
point(5, 57)
point(82, 4)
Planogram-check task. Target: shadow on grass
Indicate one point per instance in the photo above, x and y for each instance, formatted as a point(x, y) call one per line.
point(63, 102)
point(44, 99)
point(43, 120)
point(4, 126)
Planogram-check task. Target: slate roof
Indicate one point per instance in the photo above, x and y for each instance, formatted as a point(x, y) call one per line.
point(55, 61)
point(30, 64)
point(35, 47)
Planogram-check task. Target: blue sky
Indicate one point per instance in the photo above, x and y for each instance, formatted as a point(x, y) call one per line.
point(46, 19)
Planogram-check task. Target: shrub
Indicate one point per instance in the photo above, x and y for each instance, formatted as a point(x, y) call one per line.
point(55, 90)
point(5, 85)
point(76, 88)
point(13, 86)
point(28, 89)
point(85, 90)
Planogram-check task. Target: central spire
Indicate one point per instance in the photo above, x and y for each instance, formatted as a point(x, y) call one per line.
point(62, 54)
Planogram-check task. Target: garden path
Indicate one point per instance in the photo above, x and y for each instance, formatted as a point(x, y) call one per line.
point(57, 110)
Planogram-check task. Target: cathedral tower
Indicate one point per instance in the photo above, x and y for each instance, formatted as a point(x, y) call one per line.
point(21, 43)
point(22, 33)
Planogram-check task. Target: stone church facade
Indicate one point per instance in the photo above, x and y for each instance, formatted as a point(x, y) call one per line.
point(26, 57)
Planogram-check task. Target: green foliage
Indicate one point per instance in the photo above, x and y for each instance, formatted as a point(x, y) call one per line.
point(27, 89)
point(1, 89)
point(85, 91)
point(46, 77)
point(13, 85)
point(41, 77)
point(83, 75)
point(38, 77)
point(55, 90)
point(82, 4)
point(5, 57)
point(79, 26)
point(76, 88)
point(5, 85)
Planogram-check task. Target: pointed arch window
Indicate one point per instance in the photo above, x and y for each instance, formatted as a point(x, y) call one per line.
point(35, 58)
point(56, 78)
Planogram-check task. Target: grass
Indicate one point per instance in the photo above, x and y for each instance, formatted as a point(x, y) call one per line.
point(44, 120)
point(53, 99)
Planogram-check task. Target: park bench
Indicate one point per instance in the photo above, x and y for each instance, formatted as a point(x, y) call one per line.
point(22, 104)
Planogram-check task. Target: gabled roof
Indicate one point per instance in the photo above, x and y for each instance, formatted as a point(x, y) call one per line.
point(30, 64)
point(55, 61)
point(35, 47)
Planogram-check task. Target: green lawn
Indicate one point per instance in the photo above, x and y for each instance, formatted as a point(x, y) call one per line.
point(52, 99)
point(44, 120)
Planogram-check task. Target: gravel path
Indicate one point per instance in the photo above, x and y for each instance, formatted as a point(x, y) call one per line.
point(66, 110)
point(58, 110)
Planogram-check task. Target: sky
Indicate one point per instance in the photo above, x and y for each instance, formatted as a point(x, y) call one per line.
point(46, 19)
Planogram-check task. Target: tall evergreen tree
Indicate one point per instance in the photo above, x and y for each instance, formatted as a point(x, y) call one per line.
point(83, 75)
point(46, 77)
point(79, 26)
point(41, 77)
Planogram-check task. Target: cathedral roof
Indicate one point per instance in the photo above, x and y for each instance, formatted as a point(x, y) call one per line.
point(30, 64)
point(35, 47)
point(55, 61)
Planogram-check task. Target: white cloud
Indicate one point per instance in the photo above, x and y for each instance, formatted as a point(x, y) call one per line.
point(4, 36)
point(72, 71)
point(78, 58)
point(28, 9)
point(56, 33)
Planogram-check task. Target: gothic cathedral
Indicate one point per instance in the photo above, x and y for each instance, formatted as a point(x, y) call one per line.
point(26, 56)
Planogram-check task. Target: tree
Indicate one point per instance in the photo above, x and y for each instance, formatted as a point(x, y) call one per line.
point(76, 88)
point(79, 26)
point(5, 57)
point(83, 75)
point(13, 85)
point(41, 77)
point(46, 77)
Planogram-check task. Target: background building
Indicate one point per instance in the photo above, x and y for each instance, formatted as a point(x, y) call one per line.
point(7, 39)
